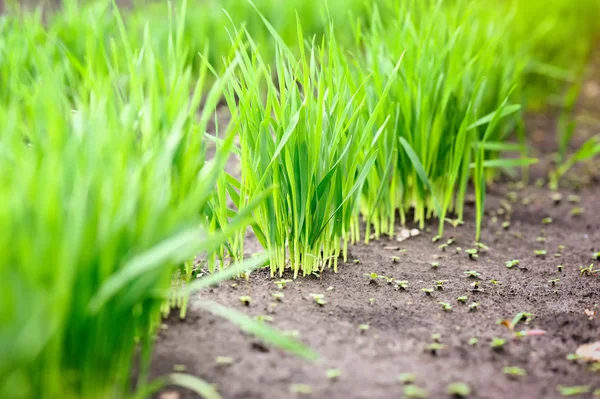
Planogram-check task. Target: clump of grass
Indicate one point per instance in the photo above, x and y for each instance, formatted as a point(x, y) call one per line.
point(305, 134)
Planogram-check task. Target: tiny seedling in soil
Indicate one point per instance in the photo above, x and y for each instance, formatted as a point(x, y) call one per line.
point(278, 296)
point(574, 390)
point(459, 390)
point(436, 337)
point(553, 281)
point(281, 284)
point(415, 392)
point(495, 282)
point(497, 343)
point(395, 259)
point(588, 271)
point(330, 288)
point(372, 277)
point(435, 265)
point(556, 198)
point(505, 225)
point(319, 299)
point(482, 246)
point(454, 222)
point(514, 371)
point(458, 250)
point(560, 268)
point(179, 368)
point(436, 238)
point(574, 199)
point(475, 285)
point(540, 239)
point(446, 306)
point(512, 263)
point(246, 300)
point(356, 261)
point(389, 280)
point(596, 256)
point(402, 284)
point(301, 388)
point(407, 378)
point(546, 220)
point(264, 318)
point(462, 299)
point(363, 327)
point(473, 341)
point(427, 291)
point(371, 301)
point(224, 360)
point(576, 211)
point(439, 284)
point(443, 247)
point(333, 374)
point(472, 274)
point(435, 347)
point(473, 306)
point(540, 253)
point(472, 253)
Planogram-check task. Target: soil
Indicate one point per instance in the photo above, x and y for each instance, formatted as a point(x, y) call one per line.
point(402, 322)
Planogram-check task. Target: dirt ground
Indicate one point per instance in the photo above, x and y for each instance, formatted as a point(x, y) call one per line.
point(401, 322)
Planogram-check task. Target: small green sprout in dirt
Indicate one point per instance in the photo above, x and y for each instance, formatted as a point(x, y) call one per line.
point(363, 327)
point(372, 277)
point(553, 281)
point(540, 253)
point(574, 390)
point(436, 337)
point(561, 248)
point(458, 250)
point(443, 247)
point(495, 282)
point(333, 374)
point(330, 288)
point(439, 284)
point(472, 252)
point(389, 280)
point(556, 198)
point(435, 265)
point(435, 347)
point(371, 301)
point(573, 357)
point(547, 220)
point(246, 300)
point(472, 274)
point(319, 299)
point(278, 296)
point(497, 343)
point(261, 318)
point(436, 238)
point(458, 390)
point(224, 360)
point(574, 199)
point(356, 261)
point(505, 225)
point(560, 268)
point(596, 255)
point(427, 291)
point(462, 299)
point(473, 306)
point(482, 246)
point(407, 378)
point(415, 392)
point(540, 239)
point(576, 211)
point(473, 341)
point(588, 271)
point(475, 285)
point(454, 222)
point(512, 263)
point(395, 259)
point(446, 306)
point(402, 284)
point(512, 196)
point(301, 388)
point(179, 368)
point(513, 371)
point(281, 284)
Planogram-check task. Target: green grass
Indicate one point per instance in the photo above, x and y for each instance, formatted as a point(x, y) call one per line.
point(110, 184)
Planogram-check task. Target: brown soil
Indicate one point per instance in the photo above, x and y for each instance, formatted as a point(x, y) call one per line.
point(402, 322)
